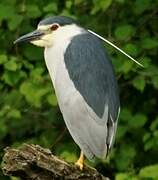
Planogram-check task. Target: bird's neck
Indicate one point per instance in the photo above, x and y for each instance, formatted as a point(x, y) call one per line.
point(66, 33)
point(54, 55)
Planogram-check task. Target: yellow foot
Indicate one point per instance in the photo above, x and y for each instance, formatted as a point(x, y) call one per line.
point(80, 162)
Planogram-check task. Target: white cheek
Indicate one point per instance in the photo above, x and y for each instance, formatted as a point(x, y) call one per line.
point(45, 41)
point(48, 39)
point(40, 43)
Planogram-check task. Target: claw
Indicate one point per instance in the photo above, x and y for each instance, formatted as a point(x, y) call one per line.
point(79, 164)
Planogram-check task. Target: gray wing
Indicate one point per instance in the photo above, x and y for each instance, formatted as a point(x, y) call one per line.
point(92, 74)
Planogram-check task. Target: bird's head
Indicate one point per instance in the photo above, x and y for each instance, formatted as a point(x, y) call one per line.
point(51, 30)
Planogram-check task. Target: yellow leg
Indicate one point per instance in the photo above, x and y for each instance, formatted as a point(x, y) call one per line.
point(80, 161)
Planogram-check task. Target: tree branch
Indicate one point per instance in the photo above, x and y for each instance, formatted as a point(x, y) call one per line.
point(36, 163)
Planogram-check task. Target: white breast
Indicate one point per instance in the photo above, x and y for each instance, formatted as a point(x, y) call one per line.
point(53, 56)
point(63, 85)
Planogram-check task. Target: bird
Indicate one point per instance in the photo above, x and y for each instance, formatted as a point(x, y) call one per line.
point(84, 81)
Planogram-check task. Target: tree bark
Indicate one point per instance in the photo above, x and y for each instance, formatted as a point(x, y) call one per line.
point(33, 162)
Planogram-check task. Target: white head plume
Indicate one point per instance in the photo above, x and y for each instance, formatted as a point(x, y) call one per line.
point(113, 45)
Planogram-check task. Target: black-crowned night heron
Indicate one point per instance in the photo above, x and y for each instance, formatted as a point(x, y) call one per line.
point(84, 82)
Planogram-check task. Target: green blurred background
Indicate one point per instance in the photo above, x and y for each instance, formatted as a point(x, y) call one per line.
point(28, 107)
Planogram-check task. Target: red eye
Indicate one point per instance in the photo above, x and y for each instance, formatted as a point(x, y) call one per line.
point(54, 27)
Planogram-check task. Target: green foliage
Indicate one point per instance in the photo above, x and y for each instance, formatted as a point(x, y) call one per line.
point(150, 172)
point(149, 43)
point(124, 32)
point(139, 83)
point(100, 5)
point(28, 105)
